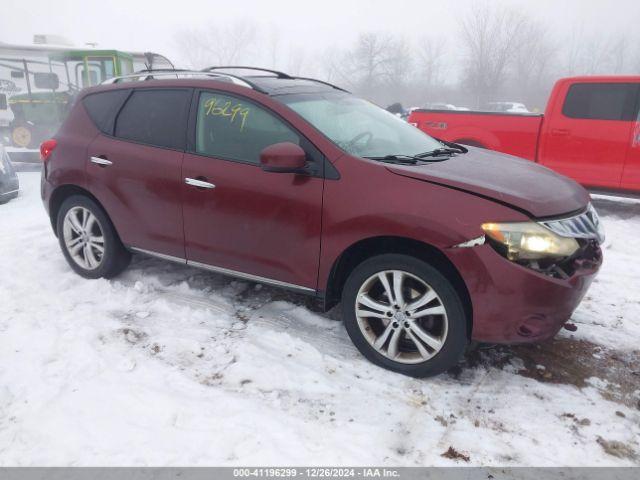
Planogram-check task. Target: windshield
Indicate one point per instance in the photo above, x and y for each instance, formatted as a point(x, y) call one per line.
point(359, 127)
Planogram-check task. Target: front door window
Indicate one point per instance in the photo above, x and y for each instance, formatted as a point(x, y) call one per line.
point(231, 128)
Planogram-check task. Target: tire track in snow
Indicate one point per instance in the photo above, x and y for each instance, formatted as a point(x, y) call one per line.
point(444, 442)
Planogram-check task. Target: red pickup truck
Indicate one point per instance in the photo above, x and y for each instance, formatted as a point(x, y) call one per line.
point(590, 131)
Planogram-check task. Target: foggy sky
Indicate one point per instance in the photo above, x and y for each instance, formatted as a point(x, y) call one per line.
point(142, 25)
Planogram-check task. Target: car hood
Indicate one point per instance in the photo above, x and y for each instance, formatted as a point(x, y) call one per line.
point(519, 183)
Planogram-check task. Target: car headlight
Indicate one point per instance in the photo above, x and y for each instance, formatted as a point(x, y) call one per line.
point(529, 241)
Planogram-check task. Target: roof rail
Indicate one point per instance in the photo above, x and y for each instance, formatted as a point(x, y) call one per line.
point(240, 67)
point(160, 70)
point(277, 73)
point(152, 74)
point(322, 82)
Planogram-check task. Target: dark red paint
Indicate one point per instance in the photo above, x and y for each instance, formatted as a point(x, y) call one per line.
point(257, 222)
point(285, 157)
point(293, 228)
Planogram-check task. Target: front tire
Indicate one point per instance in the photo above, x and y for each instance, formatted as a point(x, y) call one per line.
point(88, 239)
point(404, 315)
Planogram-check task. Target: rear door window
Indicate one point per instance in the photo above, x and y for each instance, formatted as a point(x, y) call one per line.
point(102, 108)
point(229, 127)
point(602, 101)
point(155, 117)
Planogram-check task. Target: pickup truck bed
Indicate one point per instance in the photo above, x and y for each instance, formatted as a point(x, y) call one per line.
point(590, 131)
point(511, 133)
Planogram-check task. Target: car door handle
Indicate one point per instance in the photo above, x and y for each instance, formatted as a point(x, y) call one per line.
point(194, 182)
point(103, 162)
point(559, 132)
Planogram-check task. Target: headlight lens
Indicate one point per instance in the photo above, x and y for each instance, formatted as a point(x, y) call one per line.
point(529, 241)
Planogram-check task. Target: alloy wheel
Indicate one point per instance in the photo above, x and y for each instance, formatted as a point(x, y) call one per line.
point(83, 238)
point(401, 316)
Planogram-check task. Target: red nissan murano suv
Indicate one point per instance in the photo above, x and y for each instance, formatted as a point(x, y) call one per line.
point(297, 183)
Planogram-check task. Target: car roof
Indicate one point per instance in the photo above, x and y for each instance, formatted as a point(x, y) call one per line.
point(281, 86)
point(272, 83)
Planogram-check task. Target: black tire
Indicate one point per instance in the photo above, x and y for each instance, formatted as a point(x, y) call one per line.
point(456, 338)
point(115, 257)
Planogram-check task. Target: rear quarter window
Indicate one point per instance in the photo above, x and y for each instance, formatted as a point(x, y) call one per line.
point(102, 108)
point(602, 101)
point(155, 117)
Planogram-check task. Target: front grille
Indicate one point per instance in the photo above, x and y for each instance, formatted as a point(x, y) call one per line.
point(585, 225)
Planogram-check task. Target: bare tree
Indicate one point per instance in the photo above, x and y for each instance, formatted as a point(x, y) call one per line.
point(367, 60)
point(224, 45)
point(532, 65)
point(377, 67)
point(635, 58)
point(398, 62)
point(297, 62)
point(595, 56)
point(596, 53)
point(330, 64)
point(506, 55)
point(491, 36)
point(193, 49)
point(534, 55)
point(619, 53)
point(431, 52)
point(273, 43)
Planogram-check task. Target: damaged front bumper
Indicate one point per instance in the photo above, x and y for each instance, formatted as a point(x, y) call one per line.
point(515, 303)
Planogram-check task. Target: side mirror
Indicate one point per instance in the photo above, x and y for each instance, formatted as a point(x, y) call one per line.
point(285, 157)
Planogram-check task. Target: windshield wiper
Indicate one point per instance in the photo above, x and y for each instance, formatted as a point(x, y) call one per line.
point(438, 152)
point(408, 159)
point(402, 159)
point(449, 149)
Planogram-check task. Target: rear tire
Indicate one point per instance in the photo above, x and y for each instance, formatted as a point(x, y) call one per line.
point(404, 315)
point(88, 240)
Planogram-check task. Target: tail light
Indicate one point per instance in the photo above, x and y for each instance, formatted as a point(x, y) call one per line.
point(46, 148)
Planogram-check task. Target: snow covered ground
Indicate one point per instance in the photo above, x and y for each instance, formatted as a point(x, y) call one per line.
point(167, 365)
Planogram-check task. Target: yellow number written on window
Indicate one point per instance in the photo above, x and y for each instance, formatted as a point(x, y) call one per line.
point(214, 107)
